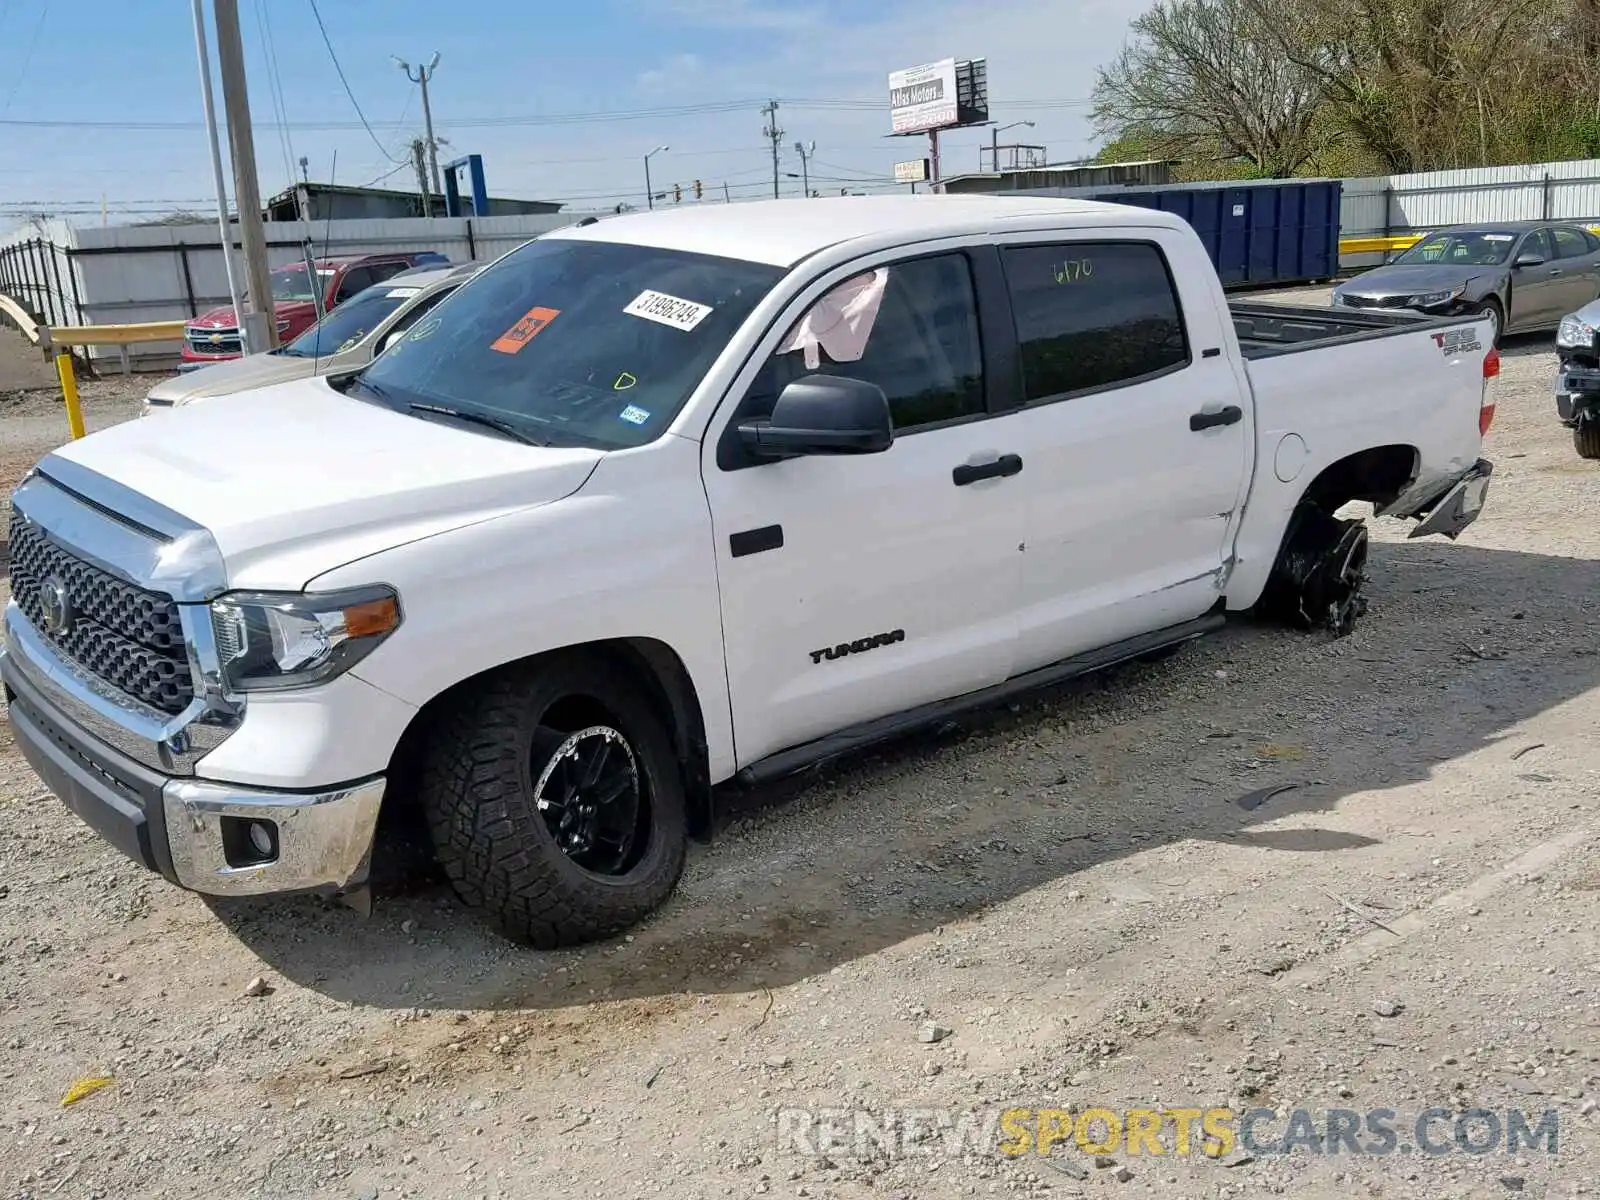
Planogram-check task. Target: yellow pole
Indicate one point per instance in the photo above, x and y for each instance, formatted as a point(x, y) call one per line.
point(69, 392)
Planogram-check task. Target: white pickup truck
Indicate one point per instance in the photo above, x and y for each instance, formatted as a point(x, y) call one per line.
point(683, 498)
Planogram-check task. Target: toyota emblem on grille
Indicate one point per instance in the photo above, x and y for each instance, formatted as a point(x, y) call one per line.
point(55, 606)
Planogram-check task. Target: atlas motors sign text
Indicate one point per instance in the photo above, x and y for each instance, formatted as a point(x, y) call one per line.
point(923, 97)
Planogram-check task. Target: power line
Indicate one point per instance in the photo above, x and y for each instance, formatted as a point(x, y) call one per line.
point(601, 116)
point(326, 41)
point(280, 108)
point(27, 57)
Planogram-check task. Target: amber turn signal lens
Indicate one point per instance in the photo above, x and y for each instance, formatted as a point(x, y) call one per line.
point(372, 619)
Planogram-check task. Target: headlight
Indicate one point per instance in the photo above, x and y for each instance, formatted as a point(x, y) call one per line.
point(1429, 299)
point(271, 641)
point(1574, 333)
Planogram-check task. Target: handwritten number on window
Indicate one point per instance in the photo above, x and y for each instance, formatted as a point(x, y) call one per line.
point(1074, 270)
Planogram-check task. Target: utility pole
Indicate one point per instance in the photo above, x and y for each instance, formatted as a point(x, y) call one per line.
point(775, 135)
point(258, 326)
point(419, 159)
point(726, 199)
point(805, 152)
point(202, 51)
point(421, 78)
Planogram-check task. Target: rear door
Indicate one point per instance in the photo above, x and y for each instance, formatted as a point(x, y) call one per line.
point(1136, 427)
point(1575, 257)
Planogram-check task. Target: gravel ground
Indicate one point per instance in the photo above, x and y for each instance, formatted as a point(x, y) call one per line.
point(1061, 906)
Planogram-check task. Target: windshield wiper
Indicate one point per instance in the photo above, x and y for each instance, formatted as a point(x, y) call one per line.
point(472, 418)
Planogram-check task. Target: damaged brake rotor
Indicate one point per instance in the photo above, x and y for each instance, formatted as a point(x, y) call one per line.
point(1318, 579)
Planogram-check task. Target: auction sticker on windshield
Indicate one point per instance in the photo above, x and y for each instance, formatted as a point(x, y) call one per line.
point(668, 310)
point(1497, 237)
point(402, 293)
point(525, 330)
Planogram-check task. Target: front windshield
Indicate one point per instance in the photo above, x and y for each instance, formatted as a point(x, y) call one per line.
point(346, 325)
point(292, 283)
point(575, 342)
point(1478, 248)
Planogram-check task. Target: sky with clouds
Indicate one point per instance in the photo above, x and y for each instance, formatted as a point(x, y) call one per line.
point(100, 99)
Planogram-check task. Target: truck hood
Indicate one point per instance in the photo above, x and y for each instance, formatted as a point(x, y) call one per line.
point(225, 318)
point(296, 479)
point(235, 375)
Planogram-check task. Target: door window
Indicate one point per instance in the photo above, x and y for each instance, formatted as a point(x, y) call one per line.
point(1569, 243)
point(909, 327)
point(384, 270)
point(1536, 243)
point(356, 279)
point(1093, 315)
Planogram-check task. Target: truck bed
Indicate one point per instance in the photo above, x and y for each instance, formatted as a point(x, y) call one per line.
point(1266, 329)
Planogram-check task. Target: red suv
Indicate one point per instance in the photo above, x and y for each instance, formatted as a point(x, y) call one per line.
point(214, 336)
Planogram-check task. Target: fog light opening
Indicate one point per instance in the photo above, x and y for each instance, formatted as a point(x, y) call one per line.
point(247, 842)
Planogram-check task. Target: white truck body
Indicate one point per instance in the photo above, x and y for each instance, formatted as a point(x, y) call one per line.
point(748, 596)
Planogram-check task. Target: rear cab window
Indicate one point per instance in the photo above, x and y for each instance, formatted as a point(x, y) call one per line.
point(1093, 315)
point(575, 342)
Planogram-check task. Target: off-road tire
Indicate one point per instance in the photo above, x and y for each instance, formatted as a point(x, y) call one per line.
point(1586, 439)
point(477, 791)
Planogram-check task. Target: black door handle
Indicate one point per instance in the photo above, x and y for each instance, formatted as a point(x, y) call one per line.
point(1231, 415)
point(1006, 464)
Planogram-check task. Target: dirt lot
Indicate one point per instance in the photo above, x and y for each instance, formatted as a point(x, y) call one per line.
point(1071, 889)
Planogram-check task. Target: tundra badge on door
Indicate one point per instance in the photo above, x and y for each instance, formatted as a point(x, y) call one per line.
point(859, 646)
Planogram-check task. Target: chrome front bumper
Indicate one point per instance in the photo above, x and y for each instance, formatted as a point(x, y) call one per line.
point(195, 832)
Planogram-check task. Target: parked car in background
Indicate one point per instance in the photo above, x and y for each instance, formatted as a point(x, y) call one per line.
point(1522, 275)
point(214, 336)
point(1578, 378)
point(347, 339)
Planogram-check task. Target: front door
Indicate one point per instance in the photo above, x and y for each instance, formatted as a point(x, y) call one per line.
point(1536, 291)
point(1138, 429)
point(854, 587)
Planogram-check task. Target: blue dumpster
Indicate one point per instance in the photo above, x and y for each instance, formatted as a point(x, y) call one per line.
point(1270, 231)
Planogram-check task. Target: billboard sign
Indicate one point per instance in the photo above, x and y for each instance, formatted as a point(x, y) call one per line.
point(923, 97)
point(915, 171)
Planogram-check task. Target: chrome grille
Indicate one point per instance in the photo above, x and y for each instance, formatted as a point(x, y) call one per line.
point(226, 343)
point(125, 635)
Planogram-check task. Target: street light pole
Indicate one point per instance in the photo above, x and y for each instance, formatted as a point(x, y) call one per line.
point(421, 78)
point(649, 191)
point(994, 142)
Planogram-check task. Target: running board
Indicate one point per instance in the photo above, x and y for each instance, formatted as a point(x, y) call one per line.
point(870, 733)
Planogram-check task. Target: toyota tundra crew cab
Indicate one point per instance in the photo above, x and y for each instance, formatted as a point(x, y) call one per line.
point(675, 499)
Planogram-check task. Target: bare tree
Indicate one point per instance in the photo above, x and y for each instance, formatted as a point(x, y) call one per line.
point(1204, 79)
point(1420, 84)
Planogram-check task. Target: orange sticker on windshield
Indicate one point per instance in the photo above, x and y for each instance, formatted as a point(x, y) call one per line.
point(525, 330)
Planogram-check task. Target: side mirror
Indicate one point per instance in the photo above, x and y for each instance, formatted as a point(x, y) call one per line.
point(822, 414)
point(1530, 258)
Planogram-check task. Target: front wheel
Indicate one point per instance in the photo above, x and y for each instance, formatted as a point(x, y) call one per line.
point(555, 802)
point(1497, 319)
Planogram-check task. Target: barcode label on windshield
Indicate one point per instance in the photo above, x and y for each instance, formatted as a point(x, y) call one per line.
point(668, 310)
